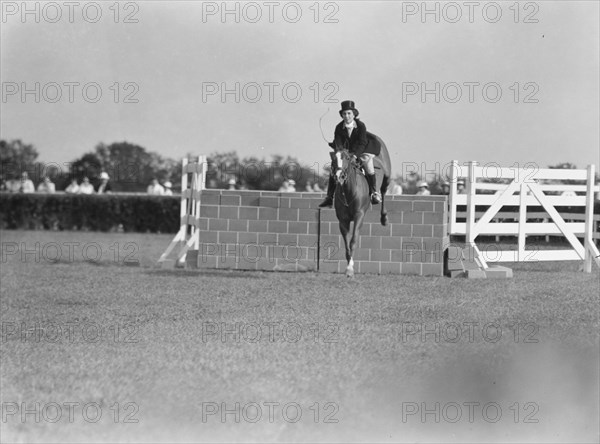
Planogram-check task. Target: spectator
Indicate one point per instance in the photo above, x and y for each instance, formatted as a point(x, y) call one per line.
point(445, 188)
point(309, 187)
point(231, 184)
point(394, 189)
point(73, 187)
point(168, 185)
point(317, 188)
point(284, 187)
point(86, 187)
point(46, 186)
point(12, 185)
point(104, 187)
point(155, 188)
point(460, 187)
point(25, 185)
point(423, 189)
point(288, 186)
point(568, 193)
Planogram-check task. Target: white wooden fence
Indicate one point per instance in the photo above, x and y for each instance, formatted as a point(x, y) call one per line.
point(188, 235)
point(533, 217)
point(533, 190)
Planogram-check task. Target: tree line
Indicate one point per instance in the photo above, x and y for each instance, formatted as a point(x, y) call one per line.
point(131, 168)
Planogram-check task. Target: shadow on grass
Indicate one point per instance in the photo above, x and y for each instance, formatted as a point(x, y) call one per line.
point(80, 262)
point(209, 273)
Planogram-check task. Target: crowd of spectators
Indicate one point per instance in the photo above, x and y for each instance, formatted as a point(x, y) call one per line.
point(24, 184)
point(20, 185)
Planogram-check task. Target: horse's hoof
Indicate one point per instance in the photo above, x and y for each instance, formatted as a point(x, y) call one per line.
point(384, 220)
point(350, 273)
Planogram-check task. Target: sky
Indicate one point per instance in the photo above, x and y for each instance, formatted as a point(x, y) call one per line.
point(174, 61)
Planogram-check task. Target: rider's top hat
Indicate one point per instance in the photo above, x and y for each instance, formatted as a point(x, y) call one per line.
point(349, 105)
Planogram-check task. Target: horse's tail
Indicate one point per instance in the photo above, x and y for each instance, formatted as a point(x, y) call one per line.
point(383, 162)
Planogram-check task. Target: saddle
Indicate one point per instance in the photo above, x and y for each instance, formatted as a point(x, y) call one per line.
point(357, 164)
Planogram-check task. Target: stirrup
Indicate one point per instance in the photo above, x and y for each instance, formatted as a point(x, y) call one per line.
point(376, 197)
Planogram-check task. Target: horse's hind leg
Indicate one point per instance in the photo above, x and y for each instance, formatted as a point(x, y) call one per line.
point(385, 182)
point(384, 217)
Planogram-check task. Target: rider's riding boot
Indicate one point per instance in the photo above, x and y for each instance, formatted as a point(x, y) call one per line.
point(328, 202)
point(375, 196)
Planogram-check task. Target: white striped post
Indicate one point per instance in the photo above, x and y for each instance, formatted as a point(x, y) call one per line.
point(471, 189)
point(589, 219)
point(522, 221)
point(452, 197)
point(189, 213)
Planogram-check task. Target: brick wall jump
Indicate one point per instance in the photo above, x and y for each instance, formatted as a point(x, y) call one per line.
point(266, 230)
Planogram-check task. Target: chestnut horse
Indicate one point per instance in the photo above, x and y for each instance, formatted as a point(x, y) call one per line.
point(352, 200)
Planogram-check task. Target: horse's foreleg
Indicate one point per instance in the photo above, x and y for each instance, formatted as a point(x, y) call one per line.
point(344, 229)
point(358, 221)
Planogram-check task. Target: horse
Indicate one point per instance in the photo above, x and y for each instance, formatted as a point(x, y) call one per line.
point(351, 198)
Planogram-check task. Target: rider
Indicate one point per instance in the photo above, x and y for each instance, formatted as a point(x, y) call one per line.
point(351, 133)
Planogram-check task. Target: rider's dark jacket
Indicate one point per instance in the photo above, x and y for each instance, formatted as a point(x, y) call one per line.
point(358, 142)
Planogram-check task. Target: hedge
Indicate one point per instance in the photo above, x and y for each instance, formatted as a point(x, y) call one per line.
point(116, 212)
point(108, 212)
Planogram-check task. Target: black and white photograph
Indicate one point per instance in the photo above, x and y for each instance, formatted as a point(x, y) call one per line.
point(300, 221)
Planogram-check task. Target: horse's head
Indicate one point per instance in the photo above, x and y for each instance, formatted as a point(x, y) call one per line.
point(350, 165)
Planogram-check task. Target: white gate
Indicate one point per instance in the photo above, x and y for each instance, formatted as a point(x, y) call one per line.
point(533, 189)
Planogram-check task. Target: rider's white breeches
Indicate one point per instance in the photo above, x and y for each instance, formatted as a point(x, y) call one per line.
point(367, 162)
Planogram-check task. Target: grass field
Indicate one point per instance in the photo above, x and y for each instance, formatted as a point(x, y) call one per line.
point(172, 348)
